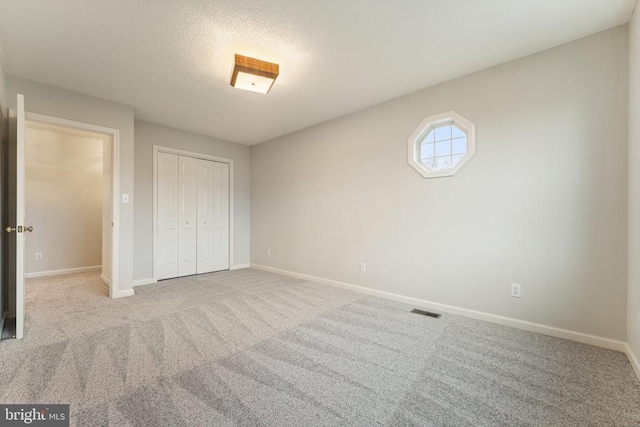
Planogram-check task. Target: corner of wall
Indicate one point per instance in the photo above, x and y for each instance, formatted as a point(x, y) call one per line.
point(633, 269)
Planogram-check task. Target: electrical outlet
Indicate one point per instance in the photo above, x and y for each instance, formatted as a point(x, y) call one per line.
point(38, 256)
point(516, 290)
point(268, 252)
point(363, 267)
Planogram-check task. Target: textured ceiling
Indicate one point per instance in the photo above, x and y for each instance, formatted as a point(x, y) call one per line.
point(172, 60)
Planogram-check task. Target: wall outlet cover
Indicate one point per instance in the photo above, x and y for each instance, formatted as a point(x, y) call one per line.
point(516, 290)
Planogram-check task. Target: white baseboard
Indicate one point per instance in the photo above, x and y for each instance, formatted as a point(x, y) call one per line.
point(59, 272)
point(105, 280)
point(635, 364)
point(123, 294)
point(240, 266)
point(487, 317)
point(142, 282)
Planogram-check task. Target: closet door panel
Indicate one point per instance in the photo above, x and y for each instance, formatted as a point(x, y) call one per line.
point(167, 239)
point(205, 216)
point(221, 216)
point(187, 219)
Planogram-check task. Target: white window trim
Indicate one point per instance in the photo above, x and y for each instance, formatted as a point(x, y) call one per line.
point(423, 130)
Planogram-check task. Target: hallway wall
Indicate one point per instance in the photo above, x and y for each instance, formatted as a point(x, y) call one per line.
point(64, 175)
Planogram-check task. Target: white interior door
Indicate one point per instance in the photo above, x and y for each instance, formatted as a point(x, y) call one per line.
point(19, 228)
point(221, 216)
point(187, 216)
point(205, 216)
point(167, 187)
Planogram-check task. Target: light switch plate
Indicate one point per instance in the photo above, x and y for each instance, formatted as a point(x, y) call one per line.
point(125, 198)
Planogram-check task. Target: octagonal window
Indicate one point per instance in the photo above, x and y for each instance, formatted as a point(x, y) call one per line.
point(442, 144)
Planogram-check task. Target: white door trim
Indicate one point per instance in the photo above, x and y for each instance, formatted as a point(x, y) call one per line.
point(114, 287)
point(168, 150)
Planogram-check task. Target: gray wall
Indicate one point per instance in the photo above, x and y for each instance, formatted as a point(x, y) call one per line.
point(543, 203)
point(633, 297)
point(146, 136)
point(58, 102)
point(3, 98)
point(63, 200)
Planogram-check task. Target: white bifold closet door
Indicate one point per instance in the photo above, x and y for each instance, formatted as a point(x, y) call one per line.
point(167, 241)
point(221, 216)
point(193, 216)
point(187, 216)
point(205, 216)
point(213, 216)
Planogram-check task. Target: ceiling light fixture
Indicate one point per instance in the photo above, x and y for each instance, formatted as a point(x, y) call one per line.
point(253, 74)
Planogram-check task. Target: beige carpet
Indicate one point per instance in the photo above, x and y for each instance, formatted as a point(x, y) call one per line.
point(258, 349)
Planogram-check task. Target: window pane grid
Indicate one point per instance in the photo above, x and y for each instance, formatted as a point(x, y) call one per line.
point(443, 147)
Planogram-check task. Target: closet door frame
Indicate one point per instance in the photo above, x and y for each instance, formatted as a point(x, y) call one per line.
point(168, 150)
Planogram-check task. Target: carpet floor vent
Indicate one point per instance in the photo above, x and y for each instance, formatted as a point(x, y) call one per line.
point(426, 313)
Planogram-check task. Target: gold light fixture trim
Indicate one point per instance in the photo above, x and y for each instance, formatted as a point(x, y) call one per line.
point(253, 74)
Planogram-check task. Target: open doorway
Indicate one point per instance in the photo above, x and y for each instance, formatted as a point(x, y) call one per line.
point(68, 204)
point(16, 316)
